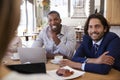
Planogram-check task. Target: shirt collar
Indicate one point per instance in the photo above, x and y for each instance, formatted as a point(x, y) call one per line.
point(62, 30)
point(98, 43)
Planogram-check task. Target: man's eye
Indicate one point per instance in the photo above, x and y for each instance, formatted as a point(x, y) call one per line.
point(90, 26)
point(97, 26)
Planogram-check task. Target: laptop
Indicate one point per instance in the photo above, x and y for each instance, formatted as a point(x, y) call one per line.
point(32, 55)
point(28, 68)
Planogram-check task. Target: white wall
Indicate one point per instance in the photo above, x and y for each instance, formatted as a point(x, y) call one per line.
point(115, 29)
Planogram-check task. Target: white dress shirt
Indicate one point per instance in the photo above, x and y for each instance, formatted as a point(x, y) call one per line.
point(67, 43)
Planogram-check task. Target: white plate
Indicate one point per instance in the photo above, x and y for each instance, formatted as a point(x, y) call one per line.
point(54, 62)
point(15, 58)
point(76, 74)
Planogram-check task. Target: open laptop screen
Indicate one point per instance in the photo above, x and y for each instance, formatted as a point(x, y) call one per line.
point(32, 55)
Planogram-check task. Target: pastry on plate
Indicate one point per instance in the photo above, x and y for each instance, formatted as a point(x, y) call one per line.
point(64, 72)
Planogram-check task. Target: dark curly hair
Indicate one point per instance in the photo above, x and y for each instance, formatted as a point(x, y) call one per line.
point(102, 20)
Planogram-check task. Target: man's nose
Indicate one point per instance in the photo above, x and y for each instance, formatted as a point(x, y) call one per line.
point(93, 29)
point(53, 22)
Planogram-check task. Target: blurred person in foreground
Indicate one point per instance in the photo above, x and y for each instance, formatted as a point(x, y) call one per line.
point(9, 20)
point(57, 39)
point(14, 44)
point(100, 49)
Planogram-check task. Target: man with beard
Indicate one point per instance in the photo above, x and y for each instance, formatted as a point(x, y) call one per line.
point(57, 39)
point(100, 49)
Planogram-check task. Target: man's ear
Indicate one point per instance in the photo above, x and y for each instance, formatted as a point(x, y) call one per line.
point(105, 30)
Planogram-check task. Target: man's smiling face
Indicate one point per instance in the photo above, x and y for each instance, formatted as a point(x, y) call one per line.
point(95, 29)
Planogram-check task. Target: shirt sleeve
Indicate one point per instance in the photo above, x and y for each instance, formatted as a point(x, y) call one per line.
point(83, 66)
point(67, 47)
point(79, 56)
point(39, 41)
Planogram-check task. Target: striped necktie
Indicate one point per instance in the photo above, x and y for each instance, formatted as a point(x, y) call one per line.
point(96, 46)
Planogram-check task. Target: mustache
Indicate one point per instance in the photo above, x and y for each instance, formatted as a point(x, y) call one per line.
point(94, 33)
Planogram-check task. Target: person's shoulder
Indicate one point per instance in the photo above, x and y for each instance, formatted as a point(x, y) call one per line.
point(86, 39)
point(111, 35)
point(67, 29)
point(45, 27)
point(43, 30)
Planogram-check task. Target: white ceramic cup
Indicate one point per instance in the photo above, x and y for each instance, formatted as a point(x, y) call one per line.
point(58, 58)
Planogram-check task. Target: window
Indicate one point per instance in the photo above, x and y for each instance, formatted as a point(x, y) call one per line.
point(61, 6)
point(79, 8)
point(27, 21)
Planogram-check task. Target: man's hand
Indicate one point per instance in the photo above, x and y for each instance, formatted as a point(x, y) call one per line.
point(66, 62)
point(105, 59)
